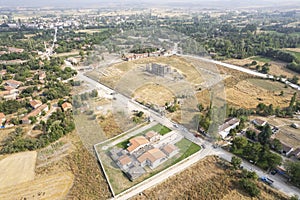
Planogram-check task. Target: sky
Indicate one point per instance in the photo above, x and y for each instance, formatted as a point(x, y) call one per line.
point(134, 3)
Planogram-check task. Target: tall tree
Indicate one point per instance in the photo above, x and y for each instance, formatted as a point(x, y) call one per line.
point(264, 136)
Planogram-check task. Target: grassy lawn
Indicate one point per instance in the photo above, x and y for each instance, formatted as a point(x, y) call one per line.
point(186, 148)
point(261, 59)
point(162, 130)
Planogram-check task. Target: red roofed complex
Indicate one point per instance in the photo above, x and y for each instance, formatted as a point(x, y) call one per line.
point(152, 157)
point(137, 143)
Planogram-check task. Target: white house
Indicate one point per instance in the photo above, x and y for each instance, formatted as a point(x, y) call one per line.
point(229, 124)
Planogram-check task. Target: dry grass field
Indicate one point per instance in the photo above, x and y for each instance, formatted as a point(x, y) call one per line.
point(247, 95)
point(66, 171)
point(89, 182)
point(153, 94)
point(17, 168)
point(109, 126)
point(89, 130)
point(205, 180)
point(246, 91)
point(72, 53)
point(49, 187)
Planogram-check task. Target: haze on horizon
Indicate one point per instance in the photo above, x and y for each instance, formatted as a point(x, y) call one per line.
point(153, 3)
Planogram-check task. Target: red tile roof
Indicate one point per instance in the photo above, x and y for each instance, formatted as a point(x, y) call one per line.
point(35, 103)
point(152, 155)
point(65, 106)
point(136, 142)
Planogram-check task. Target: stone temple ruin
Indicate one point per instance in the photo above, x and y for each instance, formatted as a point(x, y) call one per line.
point(158, 69)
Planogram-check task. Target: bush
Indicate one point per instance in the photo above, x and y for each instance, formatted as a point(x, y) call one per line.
point(250, 187)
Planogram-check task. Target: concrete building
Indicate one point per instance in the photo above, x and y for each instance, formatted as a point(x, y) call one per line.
point(66, 106)
point(158, 69)
point(134, 172)
point(35, 113)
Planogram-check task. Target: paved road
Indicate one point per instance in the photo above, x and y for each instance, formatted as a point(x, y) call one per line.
point(209, 150)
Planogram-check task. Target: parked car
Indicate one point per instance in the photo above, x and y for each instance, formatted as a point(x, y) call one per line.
point(273, 172)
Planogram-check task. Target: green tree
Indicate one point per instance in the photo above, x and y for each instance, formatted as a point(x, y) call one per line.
point(265, 135)
point(94, 93)
point(239, 143)
point(276, 145)
point(236, 162)
point(293, 169)
point(273, 160)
